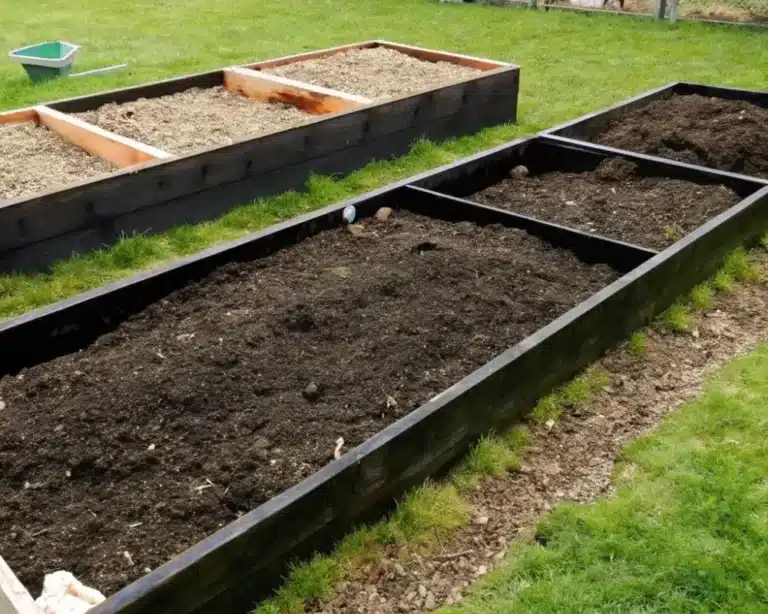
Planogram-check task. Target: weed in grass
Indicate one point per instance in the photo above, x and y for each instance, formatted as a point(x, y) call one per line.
point(490, 456)
point(764, 241)
point(546, 409)
point(676, 318)
point(518, 439)
point(722, 281)
point(701, 297)
point(576, 392)
point(425, 514)
point(740, 266)
point(673, 233)
point(637, 344)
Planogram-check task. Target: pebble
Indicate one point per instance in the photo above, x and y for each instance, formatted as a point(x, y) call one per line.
point(481, 520)
point(355, 229)
point(422, 591)
point(399, 569)
point(519, 172)
point(384, 213)
point(312, 391)
point(482, 570)
point(261, 443)
point(2, 405)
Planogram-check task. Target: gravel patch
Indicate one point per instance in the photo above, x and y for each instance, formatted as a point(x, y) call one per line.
point(375, 73)
point(34, 159)
point(195, 119)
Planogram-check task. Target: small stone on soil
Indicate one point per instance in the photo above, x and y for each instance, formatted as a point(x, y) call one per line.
point(311, 392)
point(519, 172)
point(384, 213)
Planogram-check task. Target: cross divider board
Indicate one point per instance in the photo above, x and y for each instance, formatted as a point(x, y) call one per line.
point(272, 88)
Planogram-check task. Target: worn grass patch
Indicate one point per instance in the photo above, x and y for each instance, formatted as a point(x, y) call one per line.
point(638, 343)
point(686, 531)
point(677, 318)
point(701, 296)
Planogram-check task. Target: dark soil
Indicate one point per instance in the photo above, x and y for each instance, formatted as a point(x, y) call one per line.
point(722, 134)
point(614, 201)
point(233, 389)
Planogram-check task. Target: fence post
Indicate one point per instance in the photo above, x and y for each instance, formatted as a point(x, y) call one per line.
point(673, 10)
point(661, 9)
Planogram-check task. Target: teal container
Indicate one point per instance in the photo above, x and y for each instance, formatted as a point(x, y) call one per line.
point(46, 61)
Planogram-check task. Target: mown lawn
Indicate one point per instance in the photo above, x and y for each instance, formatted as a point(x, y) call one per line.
point(571, 64)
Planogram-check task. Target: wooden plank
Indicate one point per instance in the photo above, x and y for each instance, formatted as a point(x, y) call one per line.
point(118, 150)
point(310, 55)
point(14, 598)
point(271, 88)
point(432, 55)
point(19, 115)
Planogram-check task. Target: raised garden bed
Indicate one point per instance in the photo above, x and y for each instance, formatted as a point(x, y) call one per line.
point(327, 325)
point(263, 365)
point(616, 200)
point(626, 197)
point(715, 127)
point(333, 132)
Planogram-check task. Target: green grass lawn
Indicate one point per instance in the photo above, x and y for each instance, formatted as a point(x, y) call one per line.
point(571, 64)
point(686, 532)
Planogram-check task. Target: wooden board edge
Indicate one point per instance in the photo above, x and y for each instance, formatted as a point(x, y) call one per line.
point(434, 55)
point(272, 88)
point(309, 55)
point(14, 597)
point(18, 116)
point(119, 150)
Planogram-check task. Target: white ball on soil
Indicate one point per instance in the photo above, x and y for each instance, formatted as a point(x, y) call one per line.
point(349, 214)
